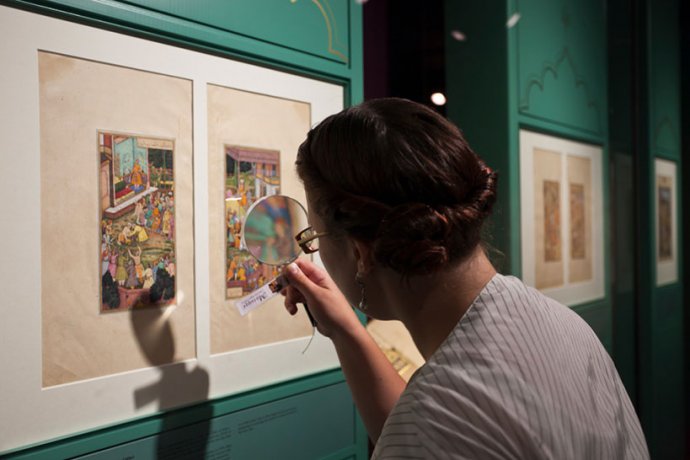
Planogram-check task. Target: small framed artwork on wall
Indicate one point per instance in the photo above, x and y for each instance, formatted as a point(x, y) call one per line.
point(562, 217)
point(666, 222)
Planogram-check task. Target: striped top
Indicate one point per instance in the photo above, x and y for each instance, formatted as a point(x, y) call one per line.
point(520, 377)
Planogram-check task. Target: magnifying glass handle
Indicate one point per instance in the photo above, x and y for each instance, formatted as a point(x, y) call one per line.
point(311, 318)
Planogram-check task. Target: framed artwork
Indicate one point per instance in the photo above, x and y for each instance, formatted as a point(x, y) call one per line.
point(115, 263)
point(561, 217)
point(115, 204)
point(666, 220)
point(245, 164)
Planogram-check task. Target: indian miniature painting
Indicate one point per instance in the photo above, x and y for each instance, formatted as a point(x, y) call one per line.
point(665, 248)
point(137, 196)
point(577, 222)
point(250, 174)
point(552, 221)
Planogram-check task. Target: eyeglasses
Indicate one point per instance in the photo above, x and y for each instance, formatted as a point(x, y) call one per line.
point(308, 240)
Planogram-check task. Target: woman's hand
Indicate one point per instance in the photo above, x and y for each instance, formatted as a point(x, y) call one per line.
point(311, 284)
point(376, 386)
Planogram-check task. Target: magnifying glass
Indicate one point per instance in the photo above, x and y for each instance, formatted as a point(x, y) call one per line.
point(269, 230)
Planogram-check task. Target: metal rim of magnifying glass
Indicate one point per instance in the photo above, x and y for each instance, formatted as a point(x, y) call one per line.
point(243, 242)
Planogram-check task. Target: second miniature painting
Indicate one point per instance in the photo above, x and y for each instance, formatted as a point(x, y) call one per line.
point(250, 174)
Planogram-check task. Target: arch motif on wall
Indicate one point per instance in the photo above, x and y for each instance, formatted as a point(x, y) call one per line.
point(331, 26)
point(554, 68)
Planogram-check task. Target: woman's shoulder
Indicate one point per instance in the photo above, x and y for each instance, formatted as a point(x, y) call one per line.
point(507, 298)
point(433, 415)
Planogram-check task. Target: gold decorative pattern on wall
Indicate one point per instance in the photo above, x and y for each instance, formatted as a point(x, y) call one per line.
point(560, 80)
point(554, 68)
point(331, 26)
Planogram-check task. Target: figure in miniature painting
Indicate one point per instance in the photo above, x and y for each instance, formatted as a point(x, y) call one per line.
point(137, 196)
point(250, 174)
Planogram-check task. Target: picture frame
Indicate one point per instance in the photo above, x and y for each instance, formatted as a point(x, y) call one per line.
point(562, 220)
point(666, 221)
point(103, 400)
point(244, 165)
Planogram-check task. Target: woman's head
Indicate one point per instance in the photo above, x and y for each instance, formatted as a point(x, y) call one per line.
point(399, 177)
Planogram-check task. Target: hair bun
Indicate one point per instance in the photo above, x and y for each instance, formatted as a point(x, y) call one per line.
point(479, 202)
point(417, 238)
point(486, 197)
point(412, 239)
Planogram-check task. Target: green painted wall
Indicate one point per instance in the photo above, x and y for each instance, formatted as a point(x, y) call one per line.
point(661, 309)
point(561, 63)
point(546, 74)
point(624, 148)
point(316, 415)
point(316, 27)
point(290, 35)
point(310, 418)
point(483, 104)
point(607, 73)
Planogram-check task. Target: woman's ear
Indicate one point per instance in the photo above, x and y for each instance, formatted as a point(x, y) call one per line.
point(364, 256)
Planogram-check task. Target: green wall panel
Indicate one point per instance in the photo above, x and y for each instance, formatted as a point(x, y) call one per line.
point(318, 27)
point(663, 386)
point(561, 59)
point(542, 75)
point(156, 25)
point(664, 79)
point(305, 423)
point(624, 211)
point(479, 93)
point(313, 417)
point(662, 311)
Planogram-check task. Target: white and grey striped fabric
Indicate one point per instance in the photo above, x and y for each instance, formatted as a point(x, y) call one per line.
point(520, 377)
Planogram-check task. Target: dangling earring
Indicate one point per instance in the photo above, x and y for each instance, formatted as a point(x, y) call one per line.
point(363, 301)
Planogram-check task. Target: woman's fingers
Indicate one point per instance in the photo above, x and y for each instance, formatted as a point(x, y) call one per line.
point(299, 280)
point(311, 284)
point(313, 272)
point(292, 298)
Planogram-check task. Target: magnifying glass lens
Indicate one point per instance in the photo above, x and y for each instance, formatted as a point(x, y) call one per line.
point(269, 234)
point(270, 228)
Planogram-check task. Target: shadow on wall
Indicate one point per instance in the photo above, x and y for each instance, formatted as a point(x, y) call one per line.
point(176, 386)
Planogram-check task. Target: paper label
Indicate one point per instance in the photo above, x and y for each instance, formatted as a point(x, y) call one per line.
point(261, 295)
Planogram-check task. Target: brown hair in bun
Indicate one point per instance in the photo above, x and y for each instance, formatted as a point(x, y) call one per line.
point(401, 177)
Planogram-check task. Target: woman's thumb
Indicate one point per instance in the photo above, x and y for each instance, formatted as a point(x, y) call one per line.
point(299, 280)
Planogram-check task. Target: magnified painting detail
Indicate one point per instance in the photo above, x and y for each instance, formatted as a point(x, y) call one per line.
point(665, 218)
point(577, 222)
point(137, 222)
point(250, 174)
point(552, 221)
point(270, 228)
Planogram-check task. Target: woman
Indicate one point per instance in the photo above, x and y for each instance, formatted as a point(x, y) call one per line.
point(398, 199)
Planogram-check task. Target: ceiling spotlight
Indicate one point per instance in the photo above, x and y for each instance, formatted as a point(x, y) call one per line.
point(438, 99)
point(361, 2)
point(457, 35)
